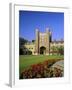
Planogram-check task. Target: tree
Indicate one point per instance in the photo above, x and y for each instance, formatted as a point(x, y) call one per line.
point(33, 41)
point(21, 51)
point(22, 41)
point(58, 50)
point(61, 50)
point(29, 52)
point(54, 49)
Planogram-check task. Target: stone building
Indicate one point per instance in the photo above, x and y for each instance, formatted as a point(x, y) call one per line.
point(43, 43)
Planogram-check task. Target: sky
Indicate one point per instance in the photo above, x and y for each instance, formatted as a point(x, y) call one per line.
point(30, 20)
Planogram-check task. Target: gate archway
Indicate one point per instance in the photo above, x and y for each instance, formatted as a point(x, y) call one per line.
point(42, 50)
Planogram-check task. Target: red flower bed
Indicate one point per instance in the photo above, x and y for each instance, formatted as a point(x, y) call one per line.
point(41, 70)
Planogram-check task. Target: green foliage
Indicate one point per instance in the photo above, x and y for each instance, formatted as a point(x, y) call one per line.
point(61, 50)
point(22, 41)
point(33, 41)
point(58, 50)
point(21, 51)
point(29, 52)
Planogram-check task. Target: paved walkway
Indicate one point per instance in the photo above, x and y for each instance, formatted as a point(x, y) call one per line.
point(59, 65)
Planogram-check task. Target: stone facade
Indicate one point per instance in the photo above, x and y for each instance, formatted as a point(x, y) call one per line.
point(43, 43)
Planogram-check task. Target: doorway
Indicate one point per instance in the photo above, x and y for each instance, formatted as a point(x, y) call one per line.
point(42, 50)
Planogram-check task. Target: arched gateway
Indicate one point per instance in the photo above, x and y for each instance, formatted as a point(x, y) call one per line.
point(42, 50)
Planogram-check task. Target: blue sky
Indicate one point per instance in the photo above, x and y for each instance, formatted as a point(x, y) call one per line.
point(30, 20)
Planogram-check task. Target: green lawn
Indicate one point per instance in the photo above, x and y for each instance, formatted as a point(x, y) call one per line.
point(26, 60)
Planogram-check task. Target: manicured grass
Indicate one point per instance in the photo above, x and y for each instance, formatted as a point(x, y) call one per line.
point(26, 60)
